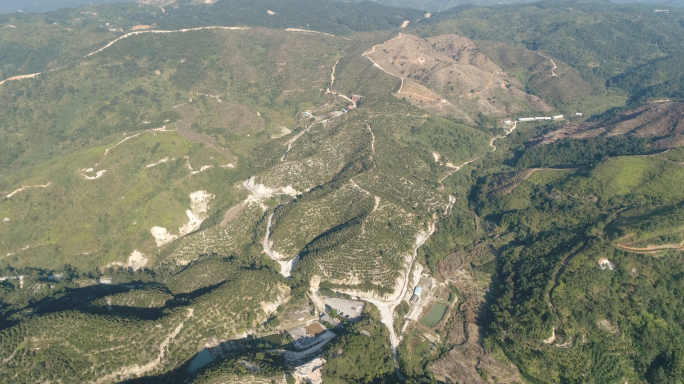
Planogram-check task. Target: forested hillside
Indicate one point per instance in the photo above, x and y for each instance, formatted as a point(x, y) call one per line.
point(312, 191)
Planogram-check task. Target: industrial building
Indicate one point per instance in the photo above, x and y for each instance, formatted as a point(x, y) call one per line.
point(416, 294)
point(540, 118)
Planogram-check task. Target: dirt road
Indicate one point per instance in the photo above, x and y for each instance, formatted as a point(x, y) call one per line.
point(553, 73)
point(652, 248)
point(292, 140)
point(457, 168)
point(332, 75)
point(491, 142)
point(386, 308)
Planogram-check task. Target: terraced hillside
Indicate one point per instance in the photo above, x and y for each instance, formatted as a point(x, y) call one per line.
point(159, 136)
point(272, 191)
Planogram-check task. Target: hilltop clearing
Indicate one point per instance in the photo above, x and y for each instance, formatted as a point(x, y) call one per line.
point(188, 196)
point(448, 75)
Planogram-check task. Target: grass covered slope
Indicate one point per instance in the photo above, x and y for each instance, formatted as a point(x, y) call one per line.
point(210, 191)
point(33, 43)
point(131, 143)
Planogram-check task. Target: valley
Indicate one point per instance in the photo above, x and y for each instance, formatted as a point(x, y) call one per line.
point(234, 191)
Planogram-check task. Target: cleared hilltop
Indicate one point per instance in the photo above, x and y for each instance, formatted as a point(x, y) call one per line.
point(265, 191)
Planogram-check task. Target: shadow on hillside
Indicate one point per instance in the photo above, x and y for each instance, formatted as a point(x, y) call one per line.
point(240, 347)
point(82, 299)
point(178, 375)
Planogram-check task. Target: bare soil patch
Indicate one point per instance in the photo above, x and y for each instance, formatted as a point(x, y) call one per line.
point(231, 214)
point(315, 329)
point(141, 27)
point(659, 121)
point(449, 75)
point(462, 363)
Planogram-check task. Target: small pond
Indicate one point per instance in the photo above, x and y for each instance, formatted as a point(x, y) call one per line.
point(203, 358)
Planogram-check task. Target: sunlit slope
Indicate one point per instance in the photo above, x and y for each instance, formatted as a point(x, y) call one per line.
point(122, 145)
point(597, 42)
point(36, 42)
point(149, 151)
point(448, 75)
point(588, 248)
point(657, 122)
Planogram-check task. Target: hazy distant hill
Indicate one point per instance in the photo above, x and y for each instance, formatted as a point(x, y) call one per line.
point(202, 181)
point(440, 5)
point(9, 6)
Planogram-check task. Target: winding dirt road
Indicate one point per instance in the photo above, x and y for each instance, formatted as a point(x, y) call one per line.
point(457, 168)
point(386, 308)
point(491, 142)
point(292, 140)
point(553, 73)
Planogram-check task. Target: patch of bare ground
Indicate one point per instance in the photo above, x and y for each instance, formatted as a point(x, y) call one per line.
point(231, 214)
point(465, 327)
point(310, 372)
point(141, 27)
point(136, 261)
point(658, 121)
point(462, 363)
point(449, 75)
point(314, 329)
point(606, 325)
